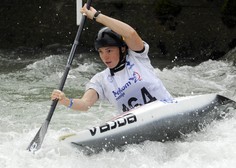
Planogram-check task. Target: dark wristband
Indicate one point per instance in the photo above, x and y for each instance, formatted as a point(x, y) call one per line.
point(96, 15)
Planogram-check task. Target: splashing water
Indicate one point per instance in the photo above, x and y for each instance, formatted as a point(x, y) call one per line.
point(25, 90)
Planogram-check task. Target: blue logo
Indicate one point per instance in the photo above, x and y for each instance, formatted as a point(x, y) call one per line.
point(110, 78)
point(129, 65)
point(136, 77)
point(120, 92)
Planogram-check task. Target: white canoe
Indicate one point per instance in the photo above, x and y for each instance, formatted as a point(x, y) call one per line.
point(156, 121)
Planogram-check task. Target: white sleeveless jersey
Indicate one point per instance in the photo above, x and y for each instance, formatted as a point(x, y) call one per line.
point(135, 85)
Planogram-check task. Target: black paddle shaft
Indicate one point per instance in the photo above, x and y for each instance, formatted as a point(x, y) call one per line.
point(69, 62)
point(38, 139)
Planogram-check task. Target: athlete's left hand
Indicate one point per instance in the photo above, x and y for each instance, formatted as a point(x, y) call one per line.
point(88, 12)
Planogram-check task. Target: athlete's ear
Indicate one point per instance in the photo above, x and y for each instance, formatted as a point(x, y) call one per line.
point(123, 49)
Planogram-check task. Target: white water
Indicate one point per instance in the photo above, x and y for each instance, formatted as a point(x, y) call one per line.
point(24, 105)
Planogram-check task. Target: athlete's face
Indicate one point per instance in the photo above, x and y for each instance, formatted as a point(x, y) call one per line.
point(109, 55)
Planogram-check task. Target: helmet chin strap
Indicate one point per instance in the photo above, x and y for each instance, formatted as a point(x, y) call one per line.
point(121, 63)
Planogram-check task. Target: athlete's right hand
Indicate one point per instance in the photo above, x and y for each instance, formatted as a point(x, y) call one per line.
point(59, 95)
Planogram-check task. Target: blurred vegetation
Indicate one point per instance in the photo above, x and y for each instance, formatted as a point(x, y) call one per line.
point(165, 11)
point(229, 13)
point(166, 7)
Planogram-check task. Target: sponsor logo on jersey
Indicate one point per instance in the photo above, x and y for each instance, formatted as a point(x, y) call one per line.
point(120, 92)
point(110, 78)
point(129, 65)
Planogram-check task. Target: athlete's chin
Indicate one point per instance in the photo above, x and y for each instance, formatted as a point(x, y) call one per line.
point(110, 66)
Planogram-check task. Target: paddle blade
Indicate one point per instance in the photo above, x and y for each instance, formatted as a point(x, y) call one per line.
point(78, 14)
point(38, 139)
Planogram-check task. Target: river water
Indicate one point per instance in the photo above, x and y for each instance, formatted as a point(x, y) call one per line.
point(26, 81)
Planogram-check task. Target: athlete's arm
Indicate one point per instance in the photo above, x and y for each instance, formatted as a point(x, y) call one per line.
point(83, 104)
point(131, 37)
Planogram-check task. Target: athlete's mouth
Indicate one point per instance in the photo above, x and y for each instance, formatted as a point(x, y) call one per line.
point(108, 62)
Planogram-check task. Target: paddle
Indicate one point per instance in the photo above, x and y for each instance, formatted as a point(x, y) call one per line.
point(38, 139)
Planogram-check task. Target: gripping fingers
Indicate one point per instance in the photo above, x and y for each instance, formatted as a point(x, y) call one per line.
point(57, 94)
point(89, 13)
